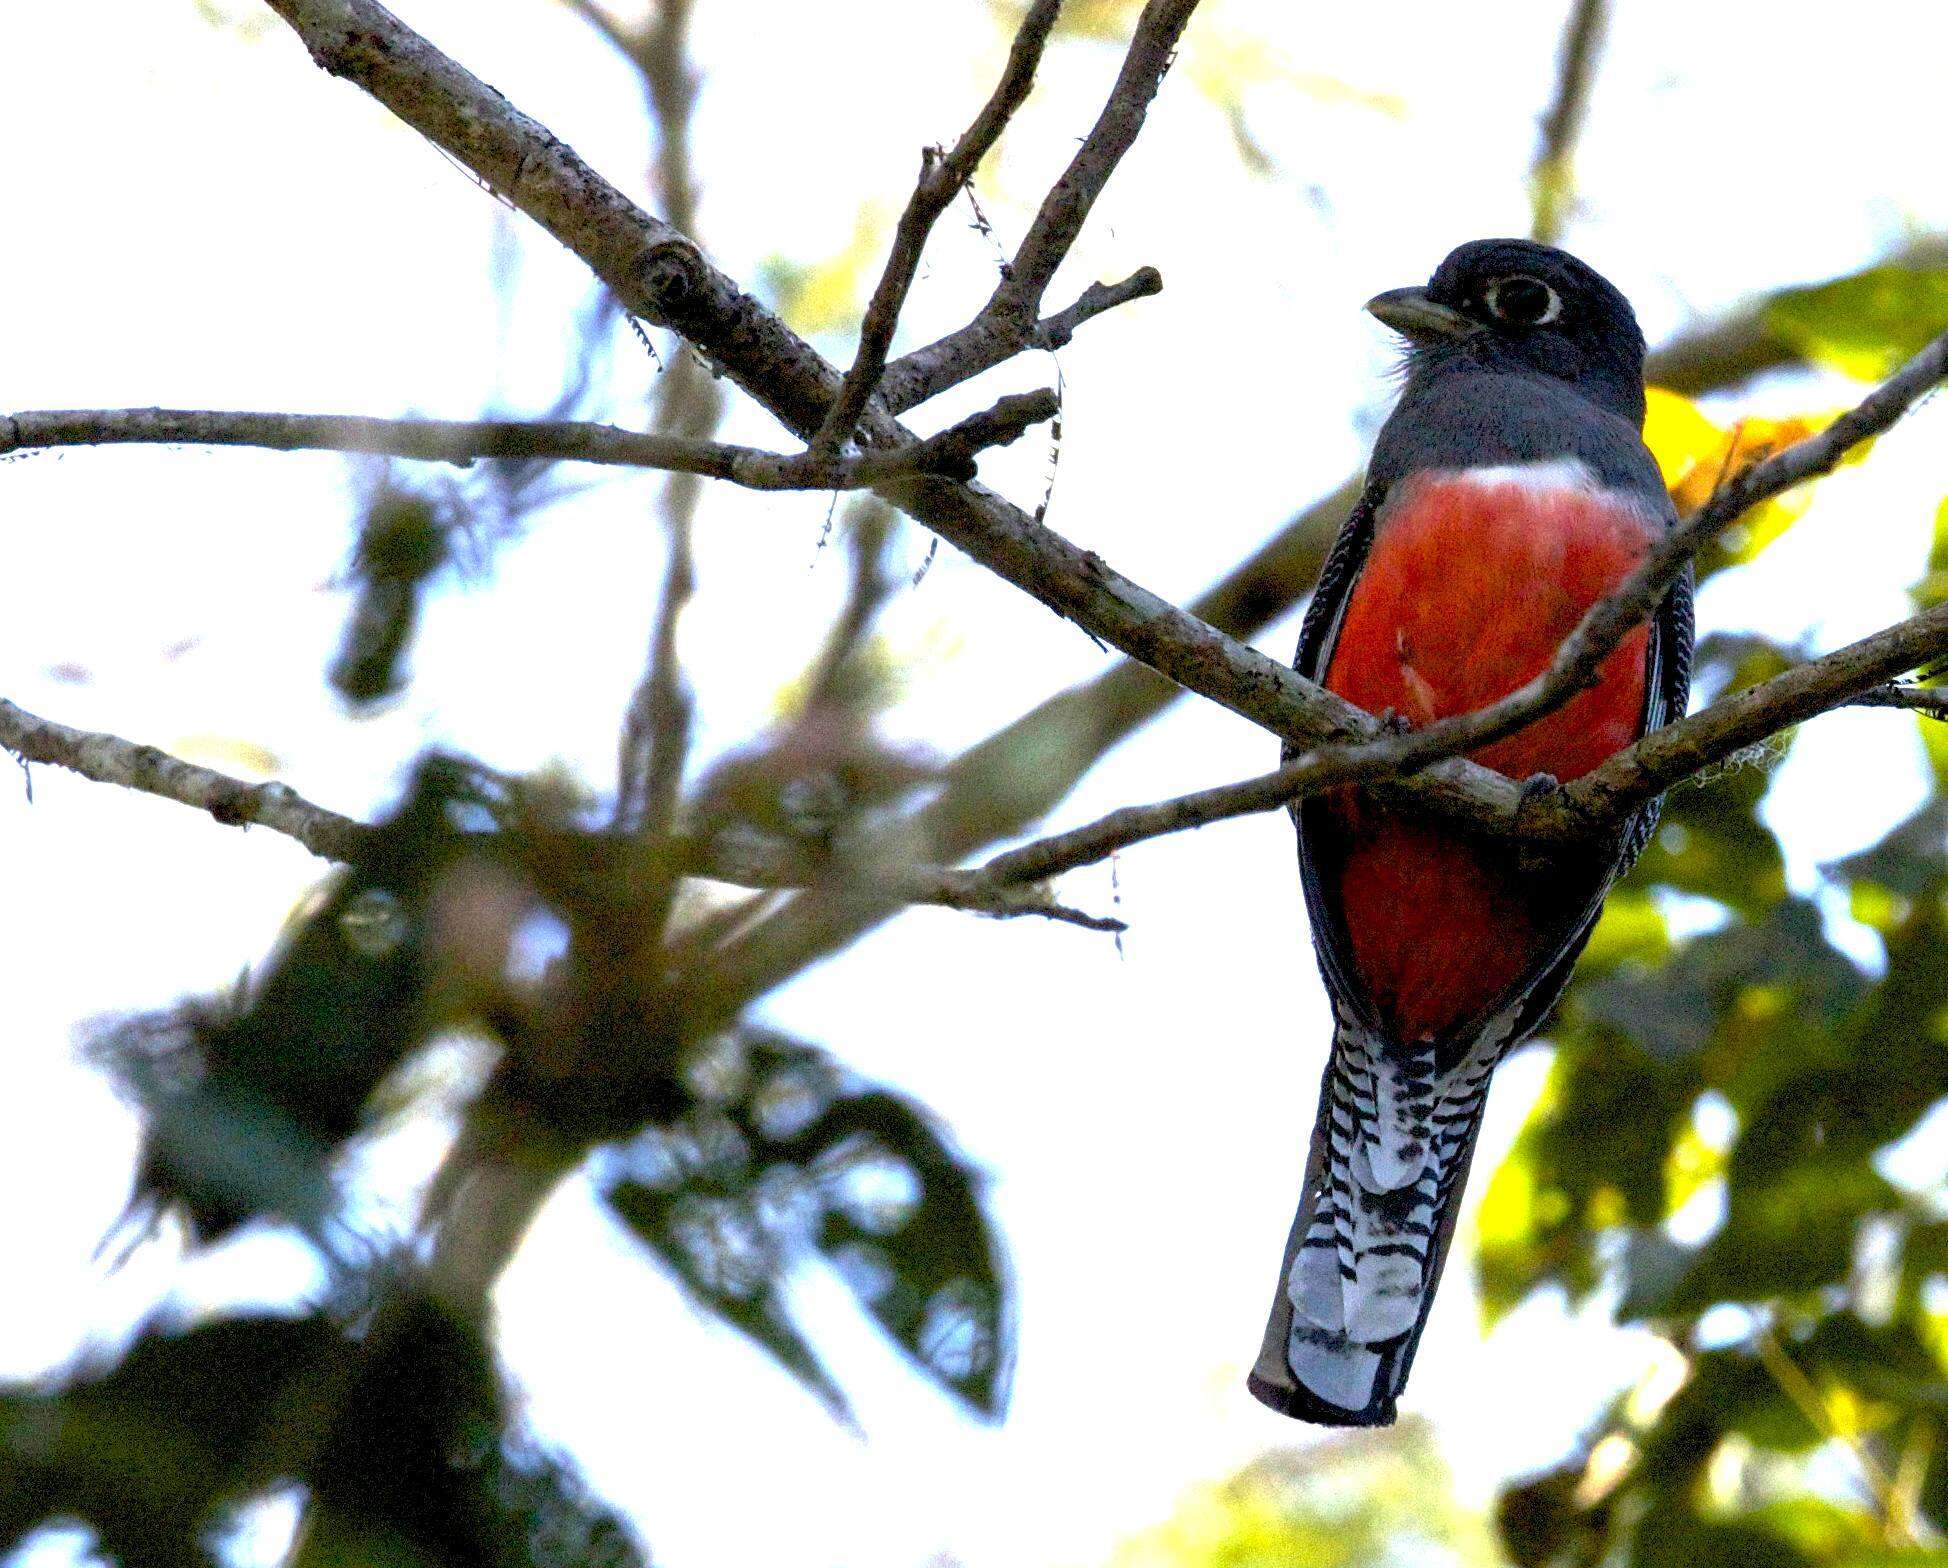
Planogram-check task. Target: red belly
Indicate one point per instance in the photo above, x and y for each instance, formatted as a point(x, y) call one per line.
point(1467, 592)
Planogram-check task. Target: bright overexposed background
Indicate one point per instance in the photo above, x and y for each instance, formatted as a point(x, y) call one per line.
point(198, 217)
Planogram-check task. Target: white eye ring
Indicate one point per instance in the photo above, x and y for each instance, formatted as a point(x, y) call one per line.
point(1550, 311)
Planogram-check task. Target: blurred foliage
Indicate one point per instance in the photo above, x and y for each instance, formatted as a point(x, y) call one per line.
point(1867, 324)
point(827, 295)
point(488, 909)
point(246, 1096)
point(389, 1419)
point(1222, 61)
point(1359, 1500)
point(785, 1153)
point(1709, 1152)
point(402, 542)
point(1933, 587)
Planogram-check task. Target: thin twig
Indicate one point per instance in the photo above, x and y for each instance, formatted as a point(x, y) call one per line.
point(1008, 322)
point(234, 802)
point(1153, 45)
point(927, 372)
point(109, 759)
point(973, 892)
point(951, 451)
point(942, 177)
point(1853, 675)
point(1928, 701)
point(657, 728)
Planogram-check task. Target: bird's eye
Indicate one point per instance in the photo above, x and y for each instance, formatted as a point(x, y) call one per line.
point(1523, 301)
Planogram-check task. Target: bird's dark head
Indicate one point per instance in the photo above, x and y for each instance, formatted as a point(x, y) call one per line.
point(1516, 305)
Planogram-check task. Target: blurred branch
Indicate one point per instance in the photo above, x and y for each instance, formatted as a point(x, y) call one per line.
point(656, 729)
point(598, 18)
point(1552, 178)
point(1743, 343)
point(109, 759)
point(942, 178)
point(1895, 1512)
point(869, 525)
point(951, 451)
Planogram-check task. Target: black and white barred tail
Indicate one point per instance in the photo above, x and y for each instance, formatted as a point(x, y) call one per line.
point(1390, 1154)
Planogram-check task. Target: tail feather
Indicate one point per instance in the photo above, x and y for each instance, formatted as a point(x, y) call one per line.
point(1390, 1151)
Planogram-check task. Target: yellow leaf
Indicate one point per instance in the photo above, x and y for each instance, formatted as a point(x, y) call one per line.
point(824, 296)
point(1678, 435)
point(1696, 457)
point(229, 754)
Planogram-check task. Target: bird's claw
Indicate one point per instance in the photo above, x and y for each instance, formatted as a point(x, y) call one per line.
point(1537, 786)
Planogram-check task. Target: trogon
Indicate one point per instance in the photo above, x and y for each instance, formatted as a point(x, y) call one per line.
point(1509, 491)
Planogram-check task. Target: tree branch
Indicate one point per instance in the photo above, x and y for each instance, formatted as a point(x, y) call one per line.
point(1007, 323)
point(109, 759)
point(927, 372)
point(1850, 676)
point(1930, 702)
point(941, 179)
point(234, 802)
point(674, 283)
point(1668, 756)
point(951, 451)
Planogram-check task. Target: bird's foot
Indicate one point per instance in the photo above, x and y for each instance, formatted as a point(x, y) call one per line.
point(1537, 787)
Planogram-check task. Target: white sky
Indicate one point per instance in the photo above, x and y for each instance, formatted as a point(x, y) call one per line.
point(198, 217)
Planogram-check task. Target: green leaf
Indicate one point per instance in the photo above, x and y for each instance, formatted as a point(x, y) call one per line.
point(148, 1452)
point(731, 1269)
point(1591, 1156)
point(786, 1154)
point(1790, 1235)
point(1711, 843)
point(247, 1097)
point(1911, 861)
point(1867, 324)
